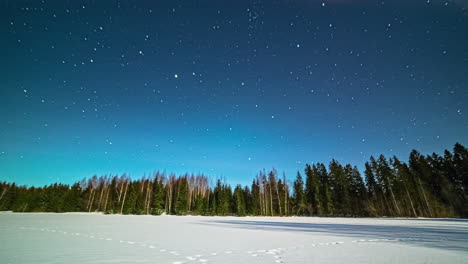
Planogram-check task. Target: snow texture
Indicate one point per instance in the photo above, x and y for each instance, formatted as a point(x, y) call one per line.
point(96, 238)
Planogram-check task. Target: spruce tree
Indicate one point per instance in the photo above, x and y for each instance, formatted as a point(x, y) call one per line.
point(325, 192)
point(340, 188)
point(181, 204)
point(312, 190)
point(239, 201)
point(299, 196)
point(255, 208)
point(158, 196)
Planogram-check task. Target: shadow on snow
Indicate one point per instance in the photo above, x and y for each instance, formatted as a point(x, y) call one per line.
point(451, 237)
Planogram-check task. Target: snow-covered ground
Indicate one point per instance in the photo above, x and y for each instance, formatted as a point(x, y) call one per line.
point(94, 238)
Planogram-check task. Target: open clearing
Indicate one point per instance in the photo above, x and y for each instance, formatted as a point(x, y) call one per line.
point(95, 238)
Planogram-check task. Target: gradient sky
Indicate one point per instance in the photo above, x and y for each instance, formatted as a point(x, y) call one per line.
point(226, 88)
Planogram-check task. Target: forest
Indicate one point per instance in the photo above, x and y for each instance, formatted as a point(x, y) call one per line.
point(425, 186)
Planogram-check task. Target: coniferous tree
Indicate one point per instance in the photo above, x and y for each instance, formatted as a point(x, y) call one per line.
point(72, 199)
point(248, 198)
point(430, 186)
point(255, 204)
point(312, 190)
point(388, 180)
point(181, 204)
point(325, 192)
point(222, 195)
point(420, 170)
point(299, 196)
point(460, 176)
point(158, 195)
point(239, 201)
point(407, 190)
point(340, 188)
point(357, 193)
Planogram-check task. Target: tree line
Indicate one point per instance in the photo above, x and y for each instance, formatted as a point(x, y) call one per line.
point(425, 186)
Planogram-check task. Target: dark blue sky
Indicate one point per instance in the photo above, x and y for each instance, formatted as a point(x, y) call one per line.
point(226, 88)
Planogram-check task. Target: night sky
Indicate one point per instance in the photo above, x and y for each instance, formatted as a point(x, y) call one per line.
point(226, 88)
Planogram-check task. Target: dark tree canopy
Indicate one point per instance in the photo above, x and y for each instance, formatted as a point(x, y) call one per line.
point(426, 186)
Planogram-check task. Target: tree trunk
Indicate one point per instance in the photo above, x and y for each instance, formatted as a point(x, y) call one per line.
point(89, 199)
point(271, 202)
point(105, 202)
point(286, 194)
point(3, 193)
point(279, 200)
point(100, 197)
point(121, 190)
point(395, 202)
point(123, 201)
point(92, 199)
point(148, 197)
point(169, 198)
point(425, 198)
point(411, 202)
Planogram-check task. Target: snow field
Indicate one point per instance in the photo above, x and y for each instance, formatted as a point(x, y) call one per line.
point(95, 238)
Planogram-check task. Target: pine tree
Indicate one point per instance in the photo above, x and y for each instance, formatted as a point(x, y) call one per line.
point(158, 195)
point(312, 190)
point(72, 199)
point(358, 193)
point(255, 207)
point(239, 201)
point(299, 196)
point(325, 192)
point(339, 186)
point(181, 204)
point(387, 180)
point(420, 171)
point(248, 201)
point(213, 207)
point(408, 191)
